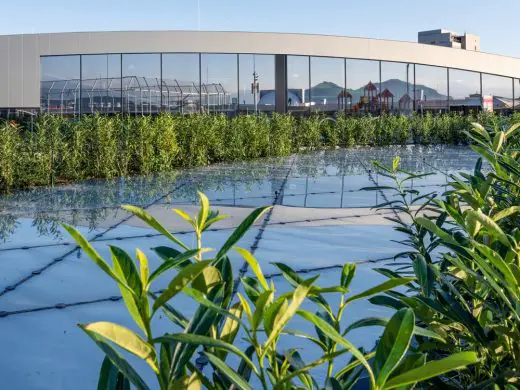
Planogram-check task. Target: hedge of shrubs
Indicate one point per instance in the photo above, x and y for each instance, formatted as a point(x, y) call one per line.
point(56, 149)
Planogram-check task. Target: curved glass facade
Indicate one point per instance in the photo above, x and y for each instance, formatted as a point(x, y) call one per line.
point(230, 83)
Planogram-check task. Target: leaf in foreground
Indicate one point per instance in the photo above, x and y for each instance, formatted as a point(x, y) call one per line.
point(433, 369)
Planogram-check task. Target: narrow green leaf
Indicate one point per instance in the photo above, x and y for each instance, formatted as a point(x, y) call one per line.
point(185, 216)
point(354, 364)
point(316, 363)
point(433, 369)
point(385, 286)
point(107, 375)
point(228, 372)
point(297, 333)
point(195, 339)
point(125, 268)
point(203, 212)
point(244, 370)
point(377, 188)
point(273, 311)
point(386, 301)
point(297, 299)
point(491, 226)
point(134, 299)
point(208, 279)
point(433, 228)
point(506, 213)
point(498, 141)
point(478, 128)
point(395, 163)
point(152, 222)
point(393, 345)
point(512, 129)
point(246, 307)
point(255, 267)
point(125, 338)
point(423, 273)
point(294, 279)
point(144, 269)
point(231, 327)
point(181, 280)
point(263, 300)
point(166, 253)
point(335, 336)
point(212, 221)
point(122, 365)
point(240, 231)
point(201, 323)
point(174, 262)
point(91, 252)
point(205, 302)
point(347, 274)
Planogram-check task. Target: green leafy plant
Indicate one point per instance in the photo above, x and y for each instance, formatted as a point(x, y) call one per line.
point(469, 294)
point(58, 149)
point(261, 316)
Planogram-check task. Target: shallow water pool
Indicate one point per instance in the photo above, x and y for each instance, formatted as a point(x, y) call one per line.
point(321, 219)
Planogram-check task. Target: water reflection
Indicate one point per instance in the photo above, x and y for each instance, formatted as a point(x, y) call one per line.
point(330, 179)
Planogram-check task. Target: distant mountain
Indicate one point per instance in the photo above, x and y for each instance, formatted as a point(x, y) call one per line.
point(325, 90)
point(398, 88)
point(330, 91)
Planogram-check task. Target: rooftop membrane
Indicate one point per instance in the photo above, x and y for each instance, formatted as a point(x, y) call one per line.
point(320, 219)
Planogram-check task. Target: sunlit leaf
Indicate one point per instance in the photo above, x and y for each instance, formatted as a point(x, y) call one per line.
point(253, 264)
point(117, 360)
point(125, 338)
point(152, 222)
point(385, 286)
point(181, 280)
point(433, 369)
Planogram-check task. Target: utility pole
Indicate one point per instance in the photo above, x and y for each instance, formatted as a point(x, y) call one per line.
point(255, 86)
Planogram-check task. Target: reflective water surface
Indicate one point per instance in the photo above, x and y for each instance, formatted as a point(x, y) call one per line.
point(321, 219)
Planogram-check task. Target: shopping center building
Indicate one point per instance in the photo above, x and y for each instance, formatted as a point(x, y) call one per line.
point(183, 72)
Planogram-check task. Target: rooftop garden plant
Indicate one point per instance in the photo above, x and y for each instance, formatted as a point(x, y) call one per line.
point(465, 260)
point(55, 149)
point(241, 336)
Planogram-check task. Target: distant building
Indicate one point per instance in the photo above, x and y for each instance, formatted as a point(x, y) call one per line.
point(450, 39)
point(184, 72)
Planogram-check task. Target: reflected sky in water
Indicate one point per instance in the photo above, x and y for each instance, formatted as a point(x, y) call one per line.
point(330, 179)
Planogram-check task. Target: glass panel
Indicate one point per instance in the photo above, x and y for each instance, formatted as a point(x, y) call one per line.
point(327, 84)
point(219, 82)
point(396, 87)
point(101, 83)
point(180, 83)
point(500, 89)
point(141, 83)
point(464, 91)
point(431, 88)
point(297, 83)
point(264, 94)
point(363, 85)
point(59, 84)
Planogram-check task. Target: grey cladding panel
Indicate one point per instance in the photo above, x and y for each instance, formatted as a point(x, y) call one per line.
point(4, 72)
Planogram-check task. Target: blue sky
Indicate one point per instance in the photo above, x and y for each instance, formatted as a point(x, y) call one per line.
point(399, 19)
